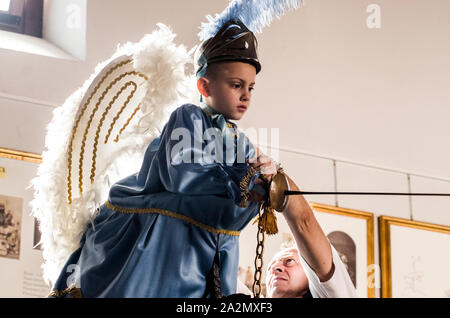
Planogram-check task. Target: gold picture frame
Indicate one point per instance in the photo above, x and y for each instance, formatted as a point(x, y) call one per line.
point(368, 217)
point(385, 224)
point(20, 155)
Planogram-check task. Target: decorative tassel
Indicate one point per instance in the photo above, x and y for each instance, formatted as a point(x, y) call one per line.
point(268, 220)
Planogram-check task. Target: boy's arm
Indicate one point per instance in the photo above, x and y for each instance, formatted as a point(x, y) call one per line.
point(187, 166)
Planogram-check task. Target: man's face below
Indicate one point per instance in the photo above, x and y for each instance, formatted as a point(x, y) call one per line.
point(285, 276)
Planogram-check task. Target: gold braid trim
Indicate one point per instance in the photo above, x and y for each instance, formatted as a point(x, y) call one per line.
point(83, 109)
point(244, 184)
point(73, 291)
point(126, 124)
point(174, 215)
point(91, 117)
point(99, 127)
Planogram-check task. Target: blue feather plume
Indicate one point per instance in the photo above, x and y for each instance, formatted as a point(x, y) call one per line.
point(255, 14)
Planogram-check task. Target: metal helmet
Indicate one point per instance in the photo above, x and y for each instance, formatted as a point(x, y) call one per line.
point(233, 42)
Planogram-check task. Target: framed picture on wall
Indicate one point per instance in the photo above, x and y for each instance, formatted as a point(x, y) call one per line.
point(17, 168)
point(414, 258)
point(18, 231)
point(13, 198)
point(351, 232)
point(10, 226)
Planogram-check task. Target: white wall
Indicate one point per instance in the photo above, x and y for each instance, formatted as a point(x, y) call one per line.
point(376, 96)
point(64, 24)
point(368, 98)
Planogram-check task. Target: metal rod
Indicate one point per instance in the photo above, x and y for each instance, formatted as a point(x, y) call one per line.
point(287, 192)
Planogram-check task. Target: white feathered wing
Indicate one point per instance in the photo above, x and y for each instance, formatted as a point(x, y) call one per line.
point(99, 135)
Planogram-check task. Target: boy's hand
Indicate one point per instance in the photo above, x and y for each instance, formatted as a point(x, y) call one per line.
point(256, 196)
point(266, 165)
point(268, 169)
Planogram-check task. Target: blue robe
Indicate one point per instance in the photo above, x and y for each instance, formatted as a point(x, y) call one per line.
point(161, 228)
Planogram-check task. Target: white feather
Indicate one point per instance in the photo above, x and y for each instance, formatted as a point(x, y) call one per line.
point(62, 224)
point(255, 14)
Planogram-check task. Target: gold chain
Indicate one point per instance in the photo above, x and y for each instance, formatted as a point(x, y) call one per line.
point(259, 257)
point(262, 228)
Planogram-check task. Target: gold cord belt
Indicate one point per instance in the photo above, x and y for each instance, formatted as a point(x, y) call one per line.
point(174, 215)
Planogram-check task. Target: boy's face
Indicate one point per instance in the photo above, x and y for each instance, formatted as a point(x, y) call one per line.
point(230, 90)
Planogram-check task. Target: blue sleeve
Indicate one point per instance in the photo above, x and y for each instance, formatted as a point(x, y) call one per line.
point(188, 166)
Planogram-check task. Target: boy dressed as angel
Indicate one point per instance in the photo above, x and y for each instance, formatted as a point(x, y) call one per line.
point(172, 229)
